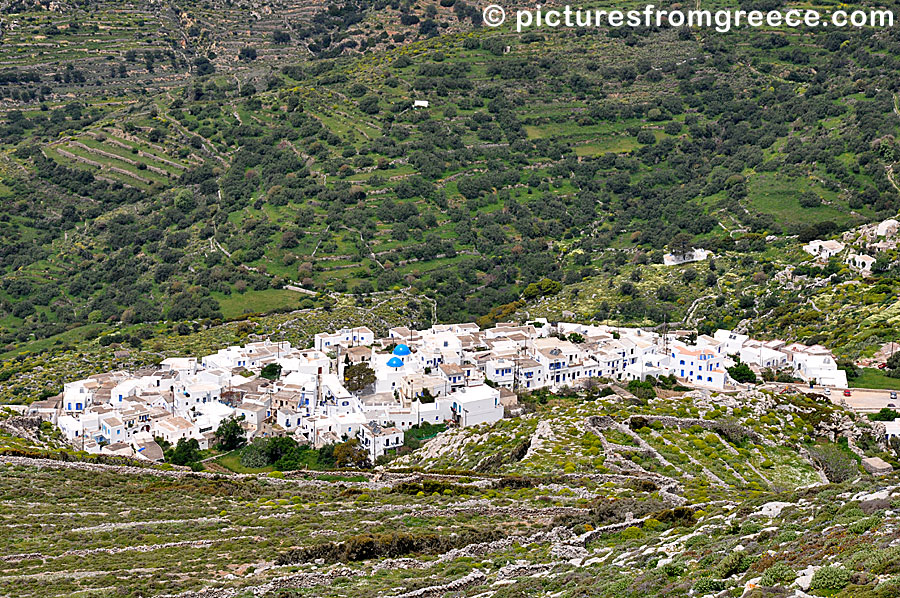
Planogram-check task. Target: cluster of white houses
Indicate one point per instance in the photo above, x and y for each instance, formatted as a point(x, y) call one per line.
point(454, 373)
point(859, 243)
point(870, 238)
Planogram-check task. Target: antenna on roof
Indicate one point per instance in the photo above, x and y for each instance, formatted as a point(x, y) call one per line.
point(666, 332)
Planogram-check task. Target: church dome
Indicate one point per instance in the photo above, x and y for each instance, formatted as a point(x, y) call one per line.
point(402, 350)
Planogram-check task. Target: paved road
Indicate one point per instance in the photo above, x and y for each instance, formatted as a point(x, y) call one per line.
point(864, 400)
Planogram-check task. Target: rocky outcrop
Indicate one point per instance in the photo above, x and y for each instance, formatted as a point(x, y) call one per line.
point(543, 434)
point(27, 427)
point(669, 421)
point(842, 425)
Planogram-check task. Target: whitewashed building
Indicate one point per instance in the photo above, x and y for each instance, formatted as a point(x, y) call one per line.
point(861, 262)
point(695, 254)
point(345, 337)
point(377, 439)
point(888, 228)
point(824, 249)
point(476, 405)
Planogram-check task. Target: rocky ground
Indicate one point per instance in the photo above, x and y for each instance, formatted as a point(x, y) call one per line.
point(695, 495)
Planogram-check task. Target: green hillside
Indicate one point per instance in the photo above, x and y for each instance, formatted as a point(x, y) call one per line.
point(241, 151)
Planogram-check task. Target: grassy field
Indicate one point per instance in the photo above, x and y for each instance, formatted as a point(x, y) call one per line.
point(232, 462)
point(779, 196)
point(265, 301)
point(872, 378)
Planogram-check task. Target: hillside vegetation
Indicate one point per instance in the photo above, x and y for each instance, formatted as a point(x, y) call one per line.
point(188, 161)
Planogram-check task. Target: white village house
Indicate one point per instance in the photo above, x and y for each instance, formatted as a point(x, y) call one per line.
point(692, 255)
point(377, 439)
point(887, 228)
point(824, 249)
point(860, 262)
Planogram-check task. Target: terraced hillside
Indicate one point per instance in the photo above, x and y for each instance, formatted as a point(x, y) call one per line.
point(617, 508)
point(114, 50)
point(177, 176)
point(698, 445)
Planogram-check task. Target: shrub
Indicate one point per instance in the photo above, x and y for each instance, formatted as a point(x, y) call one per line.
point(885, 415)
point(830, 578)
point(652, 524)
point(736, 562)
point(706, 585)
point(863, 525)
point(742, 373)
point(433, 487)
point(732, 431)
point(271, 372)
point(646, 137)
point(391, 545)
point(185, 452)
point(642, 390)
point(673, 569)
point(642, 485)
point(778, 574)
point(254, 457)
point(883, 562)
point(677, 516)
point(835, 462)
point(230, 435)
point(515, 482)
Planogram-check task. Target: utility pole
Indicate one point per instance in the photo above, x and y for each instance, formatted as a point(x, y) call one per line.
point(339, 365)
point(516, 368)
point(666, 336)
